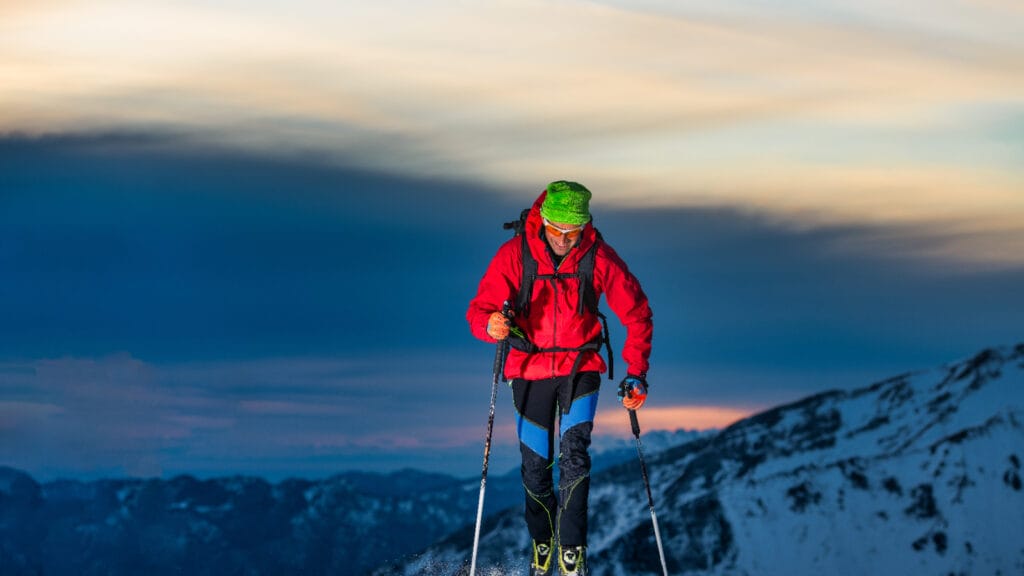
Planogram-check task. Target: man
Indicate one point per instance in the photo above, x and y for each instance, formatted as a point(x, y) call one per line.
point(554, 362)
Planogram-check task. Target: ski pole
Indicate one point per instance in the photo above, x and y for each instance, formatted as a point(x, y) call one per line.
point(647, 484)
point(499, 362)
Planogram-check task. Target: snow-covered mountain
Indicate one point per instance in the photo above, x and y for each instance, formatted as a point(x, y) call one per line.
point(918, 474)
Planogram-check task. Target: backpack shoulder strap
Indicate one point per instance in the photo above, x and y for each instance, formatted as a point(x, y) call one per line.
point(525, 291)
point(588, 298)
point(588, 295)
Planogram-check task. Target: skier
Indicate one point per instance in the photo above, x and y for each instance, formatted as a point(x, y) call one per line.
point(558, 267)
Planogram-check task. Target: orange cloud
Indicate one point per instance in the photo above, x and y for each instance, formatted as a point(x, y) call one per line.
point(615, 421)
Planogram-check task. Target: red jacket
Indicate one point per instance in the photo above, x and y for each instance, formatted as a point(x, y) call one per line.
point(553, 319)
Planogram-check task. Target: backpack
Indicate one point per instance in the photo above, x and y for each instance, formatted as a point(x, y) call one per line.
point(588, 299)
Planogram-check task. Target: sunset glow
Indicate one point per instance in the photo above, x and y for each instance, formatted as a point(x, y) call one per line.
point(616, 420)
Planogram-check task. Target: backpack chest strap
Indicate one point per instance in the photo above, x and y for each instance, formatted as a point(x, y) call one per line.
point(604, 338)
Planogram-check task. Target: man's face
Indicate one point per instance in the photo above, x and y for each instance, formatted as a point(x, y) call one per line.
point(561, 237)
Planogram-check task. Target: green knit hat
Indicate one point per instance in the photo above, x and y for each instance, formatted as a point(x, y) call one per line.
point(567, 203)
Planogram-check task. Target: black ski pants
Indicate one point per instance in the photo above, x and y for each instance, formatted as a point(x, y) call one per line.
point(537, 403)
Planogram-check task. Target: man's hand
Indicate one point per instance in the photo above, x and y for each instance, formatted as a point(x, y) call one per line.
point(633, 392)
point(498, 326)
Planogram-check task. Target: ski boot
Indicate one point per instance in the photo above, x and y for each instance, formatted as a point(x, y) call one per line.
point(542, 553)
point(572, 560)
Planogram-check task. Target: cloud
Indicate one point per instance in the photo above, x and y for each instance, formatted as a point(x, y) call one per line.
point(178, 307)
point(119, 415)
point(817, 114)
point(14, 415)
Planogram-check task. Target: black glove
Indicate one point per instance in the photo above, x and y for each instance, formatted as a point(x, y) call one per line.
point(633, 392)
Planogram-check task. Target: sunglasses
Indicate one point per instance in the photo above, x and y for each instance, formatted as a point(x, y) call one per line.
point(571, 233)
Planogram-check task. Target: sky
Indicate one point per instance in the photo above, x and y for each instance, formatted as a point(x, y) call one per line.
point(240, 238)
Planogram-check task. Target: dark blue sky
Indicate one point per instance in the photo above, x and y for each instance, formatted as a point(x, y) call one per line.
point(170, 308)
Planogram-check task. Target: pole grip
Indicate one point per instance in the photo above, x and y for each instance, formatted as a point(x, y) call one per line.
point(634, 423)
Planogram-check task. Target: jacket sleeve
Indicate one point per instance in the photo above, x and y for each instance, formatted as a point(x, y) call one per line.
point(627, 300)
point(500, 283)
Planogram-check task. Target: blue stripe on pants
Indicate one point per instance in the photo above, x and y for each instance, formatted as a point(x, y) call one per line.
point(533, 436)
point(582, 410)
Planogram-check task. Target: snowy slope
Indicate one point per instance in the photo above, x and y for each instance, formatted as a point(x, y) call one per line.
point(919, 474)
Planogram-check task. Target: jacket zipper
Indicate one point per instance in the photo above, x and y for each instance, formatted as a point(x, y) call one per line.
point(554, 326)
point(554, 333)
point(554, 288)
